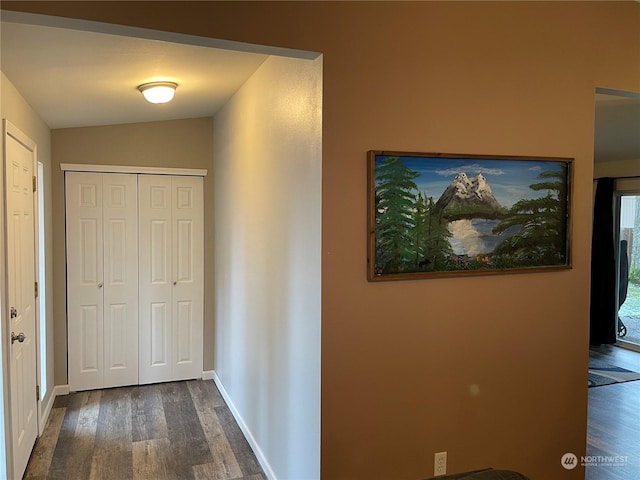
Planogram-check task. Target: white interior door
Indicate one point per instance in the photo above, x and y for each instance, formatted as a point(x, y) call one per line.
point(154, 229)
point(120, 230)
point(102, 279)
point(188, 276)
point(19, 165)
point(171, 277)
point(84, 280)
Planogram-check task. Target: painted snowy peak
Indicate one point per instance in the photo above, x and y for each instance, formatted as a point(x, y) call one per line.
point(468, 194)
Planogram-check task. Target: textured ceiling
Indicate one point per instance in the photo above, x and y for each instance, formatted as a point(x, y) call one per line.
point(77, 78)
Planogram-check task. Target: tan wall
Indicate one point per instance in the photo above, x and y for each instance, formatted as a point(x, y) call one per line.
point(398, 358)
point(173, 144)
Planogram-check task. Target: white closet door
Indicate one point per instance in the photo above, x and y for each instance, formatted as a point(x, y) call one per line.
point(154, 229)
point(188, 276)
point(102, 279)
point(84, 280)
point(171, 278)
point(120, 227)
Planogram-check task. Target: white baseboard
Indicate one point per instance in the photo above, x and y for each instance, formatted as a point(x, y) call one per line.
point(44, 412)
point(268, 471)
point(208, 374)
point(61, 390)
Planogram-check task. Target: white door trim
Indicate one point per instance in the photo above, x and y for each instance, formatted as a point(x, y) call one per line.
point(5, 447)
point(41, 301)
point(76, 167)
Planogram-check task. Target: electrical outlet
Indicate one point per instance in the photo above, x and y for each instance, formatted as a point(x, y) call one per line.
point(439, 464)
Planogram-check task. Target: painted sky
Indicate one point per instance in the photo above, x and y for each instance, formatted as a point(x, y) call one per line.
point(509, 179)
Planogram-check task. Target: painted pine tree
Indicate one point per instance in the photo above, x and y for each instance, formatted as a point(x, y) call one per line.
point(395, 198)
point(543, 238)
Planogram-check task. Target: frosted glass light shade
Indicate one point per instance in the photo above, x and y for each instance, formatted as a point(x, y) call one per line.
point(158, 92)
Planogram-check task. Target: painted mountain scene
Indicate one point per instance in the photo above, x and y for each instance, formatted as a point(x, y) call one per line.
point(441, 213)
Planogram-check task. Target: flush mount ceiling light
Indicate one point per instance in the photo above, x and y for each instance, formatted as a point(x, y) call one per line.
point(158, 92)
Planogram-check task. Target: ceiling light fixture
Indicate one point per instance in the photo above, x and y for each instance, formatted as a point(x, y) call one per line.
point(158, 92)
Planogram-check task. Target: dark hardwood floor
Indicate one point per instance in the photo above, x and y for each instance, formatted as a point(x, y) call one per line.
point(613, 427)
point(172, 431)
point(184, 430)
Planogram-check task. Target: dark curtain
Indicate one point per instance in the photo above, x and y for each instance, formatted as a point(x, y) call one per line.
point(603, 267)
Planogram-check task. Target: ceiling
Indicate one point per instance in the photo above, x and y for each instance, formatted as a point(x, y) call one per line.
point(74, 78)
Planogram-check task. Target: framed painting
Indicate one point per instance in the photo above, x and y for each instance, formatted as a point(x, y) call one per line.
point(435, 214)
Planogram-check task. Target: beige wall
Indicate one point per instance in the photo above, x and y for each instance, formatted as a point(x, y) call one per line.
point(268, 204)
point(14, 108)
point(177, 144)
point(513, 78)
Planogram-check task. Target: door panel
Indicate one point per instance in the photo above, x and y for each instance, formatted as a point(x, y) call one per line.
point(171, 279)
point(160, 273)
point(120, 217)
point(84, 279)
point(89, 338)
point(116, 353)
point(14, 271)
point(116, 256)
point(154, 230)
point(159, 335)
point(102, 279)
point(184, 251)
point(188, 267)
point(184, 332)
point(89, 254)
point(19, 165)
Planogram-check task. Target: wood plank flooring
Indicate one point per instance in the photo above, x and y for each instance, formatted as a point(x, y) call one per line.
point(184, 430)
point(167, 431)
point(613, 426)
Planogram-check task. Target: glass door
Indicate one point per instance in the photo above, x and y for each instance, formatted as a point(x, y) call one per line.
point(628, 253)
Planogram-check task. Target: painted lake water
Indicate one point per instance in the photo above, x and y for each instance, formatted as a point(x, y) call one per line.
point(472, 237)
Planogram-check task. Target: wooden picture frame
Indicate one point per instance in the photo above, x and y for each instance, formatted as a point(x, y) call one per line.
point(435, 214)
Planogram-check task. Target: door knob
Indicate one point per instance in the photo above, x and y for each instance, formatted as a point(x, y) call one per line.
point(175, 283)
point(100, 285)
point(20, 337)
point(14, 312)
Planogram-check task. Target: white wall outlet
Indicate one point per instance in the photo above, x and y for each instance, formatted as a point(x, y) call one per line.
point(440, 464)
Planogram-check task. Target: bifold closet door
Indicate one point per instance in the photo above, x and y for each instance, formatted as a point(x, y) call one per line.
point(102, 279)
point(171, 277)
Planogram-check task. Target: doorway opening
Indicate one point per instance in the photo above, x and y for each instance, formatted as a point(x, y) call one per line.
point(617, 156)
point(305, 428)
point(628, 260)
